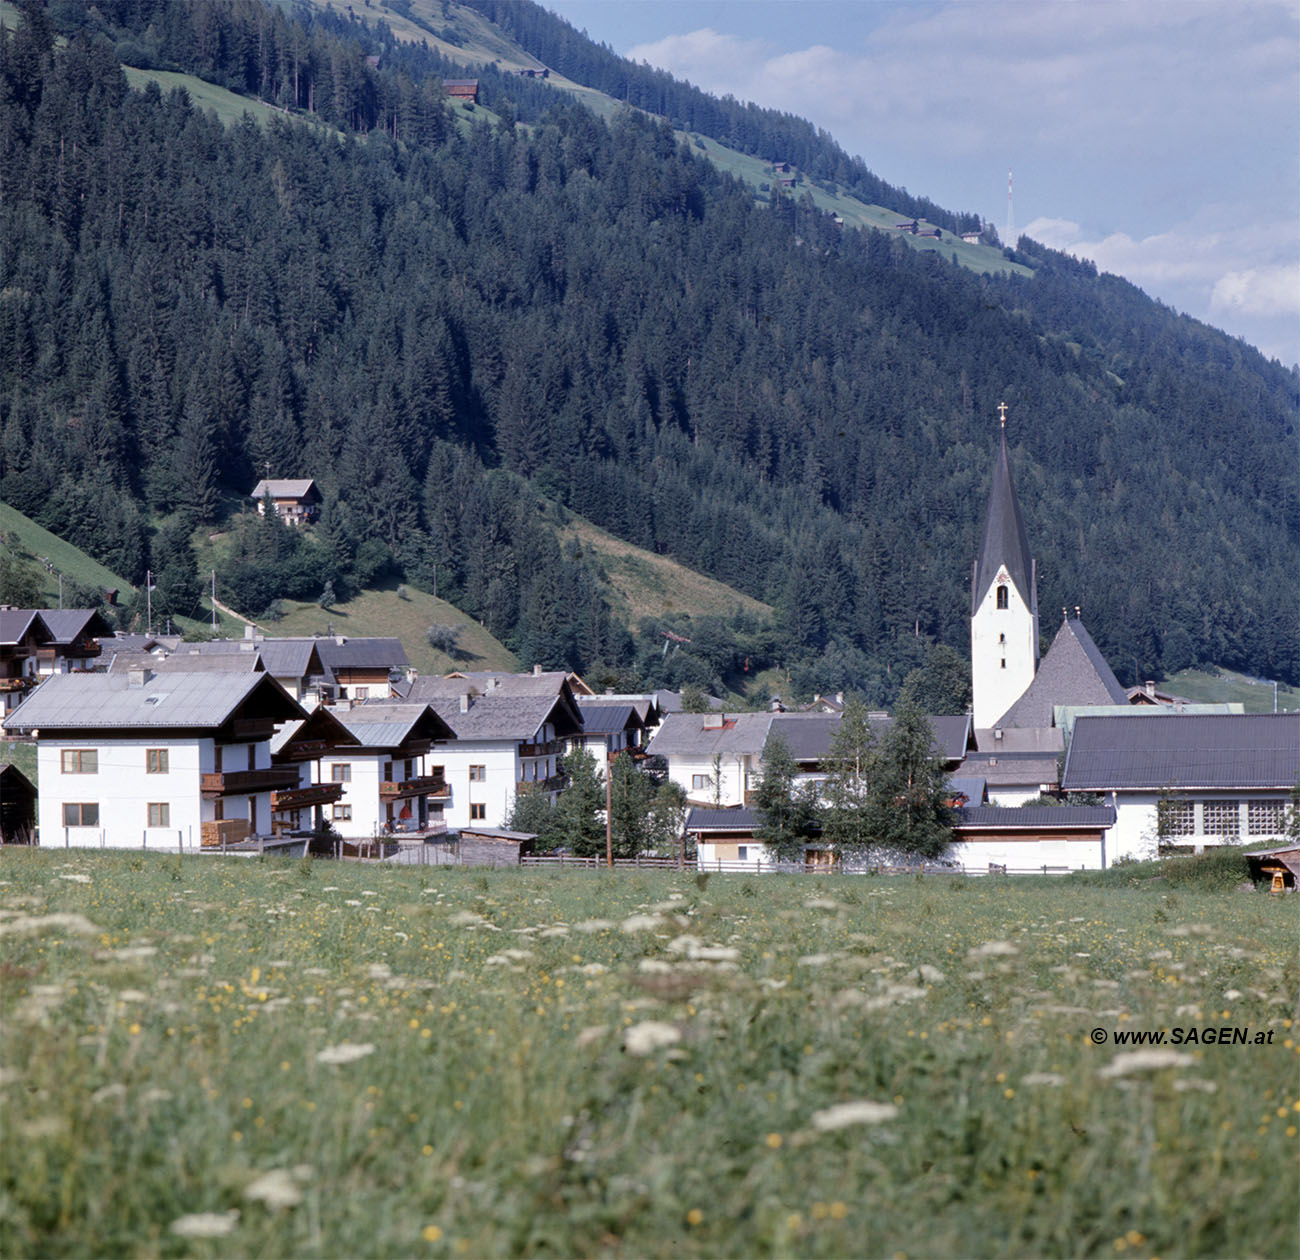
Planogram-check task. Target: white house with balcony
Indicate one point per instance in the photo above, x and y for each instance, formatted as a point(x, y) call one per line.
point(155, 760)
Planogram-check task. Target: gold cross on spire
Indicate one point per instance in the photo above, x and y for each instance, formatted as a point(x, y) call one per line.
point(1002, 412)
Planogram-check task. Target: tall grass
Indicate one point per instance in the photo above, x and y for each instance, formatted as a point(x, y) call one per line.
point(580, 1064)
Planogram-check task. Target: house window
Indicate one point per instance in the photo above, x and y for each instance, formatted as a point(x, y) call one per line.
point(342, 812)
point(160, 814)
point(80, 761)
point(155, 761)
point(699, 781)
point(1179, 818)
point(1002, 597)
point(742, 852)
point(1265, 818)
point(81, 814)
point(361, 693)
point(478, 774)
point(341, 773)
point(477, 813)
point(1222, 818)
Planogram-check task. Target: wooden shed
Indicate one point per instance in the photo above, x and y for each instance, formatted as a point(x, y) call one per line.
point(494, 846)
point(1270, 863)
point(17, 806)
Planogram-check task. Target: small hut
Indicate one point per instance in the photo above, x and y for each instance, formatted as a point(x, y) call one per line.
point(494, 846)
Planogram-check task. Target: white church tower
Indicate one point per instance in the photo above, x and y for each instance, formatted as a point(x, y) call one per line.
point(1004, 602)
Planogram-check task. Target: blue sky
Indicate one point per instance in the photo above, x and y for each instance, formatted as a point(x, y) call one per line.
point(1160, 138)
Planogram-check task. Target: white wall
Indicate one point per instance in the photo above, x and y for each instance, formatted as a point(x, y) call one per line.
point(1013, 797)
point(1029, 855)
point(123, 790)
point(996, 689)
point(1136, 821)
point(733, 773)
point(496, 791)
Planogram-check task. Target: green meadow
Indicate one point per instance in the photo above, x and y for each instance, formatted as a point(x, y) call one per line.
point(239, 1057)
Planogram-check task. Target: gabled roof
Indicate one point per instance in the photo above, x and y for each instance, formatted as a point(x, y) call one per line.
point(68, 624)
point(388, 725)
point(319, 724)
point(16, 622)
point(285, 658)
point(606, 719)
point(645, 707)
point(496, 682)
point(282, 488)
point(1214, 751)
point(807, 735)
point(1073, 672)
point(685, 735)
point(360, 654)
point(86, 702)
point(1005, 541)
point(723, 820)
point(517, 719)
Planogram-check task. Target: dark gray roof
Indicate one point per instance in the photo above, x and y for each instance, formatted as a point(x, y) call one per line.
point(685, 735)
point(85, 701)
point(489, 683)
point(807, 735)
point(14, 623)
point(1009, 769)
point(285, 658)
point(1228, 751)
point(1005, 541)
point(605, 719)
point(496, 717)
point(722, 820)
point(969, 786)
point(386, 724)
point(361, 654)
point(1037, 817)
point(1073, 672)
point(66, 624)
point(283, 488)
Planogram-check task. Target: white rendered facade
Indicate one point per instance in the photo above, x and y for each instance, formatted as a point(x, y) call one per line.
point(1198, 818)
point(722, 783)
point(144, 791)
point(483, 776)
point(1004, 650)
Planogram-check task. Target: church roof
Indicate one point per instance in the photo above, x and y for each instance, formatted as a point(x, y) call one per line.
point(1005, 541)
point(1073, 672)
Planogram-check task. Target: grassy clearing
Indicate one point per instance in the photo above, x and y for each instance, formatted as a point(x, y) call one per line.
point(642, 584)
point(1224, 685)
point(331, 1060)
point(404, 616)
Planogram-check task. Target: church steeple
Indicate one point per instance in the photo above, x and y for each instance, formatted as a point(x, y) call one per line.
point(1004, 601)
point(1005, 543)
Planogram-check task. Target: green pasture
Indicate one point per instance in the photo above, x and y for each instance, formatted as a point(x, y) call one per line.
point(1212, 685)
point(221, 1057)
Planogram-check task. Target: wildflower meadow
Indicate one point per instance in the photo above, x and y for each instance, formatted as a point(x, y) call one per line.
point(219, 1056)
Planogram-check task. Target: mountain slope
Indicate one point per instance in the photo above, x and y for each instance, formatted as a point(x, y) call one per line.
point(452, 328)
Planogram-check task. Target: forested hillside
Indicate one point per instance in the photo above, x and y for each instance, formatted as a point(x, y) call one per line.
point(460, 330)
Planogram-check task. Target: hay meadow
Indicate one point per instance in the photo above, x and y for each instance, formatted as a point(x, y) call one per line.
point(217, 1056)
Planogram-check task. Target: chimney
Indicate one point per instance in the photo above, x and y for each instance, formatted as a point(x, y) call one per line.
point(340, 639)
point(537, 671)
point(138, 677)
point(493, 684)
point(997, 732)
point(1150, 688)
point(248, 632)
point(714, 721)
point(464, 702)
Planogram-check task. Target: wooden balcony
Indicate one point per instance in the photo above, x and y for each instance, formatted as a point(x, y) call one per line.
point(16, 684)
point(228, 782)
point(540, 750)
point(556, 783)
point(433, 785)
point(303, 750)
point(305, 797)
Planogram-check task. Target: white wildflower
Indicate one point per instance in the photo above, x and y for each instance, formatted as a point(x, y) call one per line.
point(206, 1224)
point(588, 1035)
point(823, 903)
point(275, 1188)
point(931, 975)
point(1145, 1061)
point(350, 902)
point(8, 1076)
point(645, 1038)
point(550, 932)
point(642, 922)
point(593, 925)
point(77, 879)
point(844, 1115)
point(32, 925)
point(993, 949)
point(109, 1093)
point(1185, 1083)
point(816, 960)
point(344, 1052)
point(1043, 1078)
point(466, 918)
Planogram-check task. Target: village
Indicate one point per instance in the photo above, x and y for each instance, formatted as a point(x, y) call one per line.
point(335, 745)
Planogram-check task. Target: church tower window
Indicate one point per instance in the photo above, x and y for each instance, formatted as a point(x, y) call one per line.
point(1002, 596)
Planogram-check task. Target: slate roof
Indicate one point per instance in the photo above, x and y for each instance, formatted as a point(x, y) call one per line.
point(969, 786)
point(489, 682)
point(685, 735)
point(1216, 751)
point(360, 654)
point(285, 658)
point(386, 725)
point(67, 624)
point(496, 717)
point(1073, 672)
point(1005, 541)
point(1043, 740)
point(86, 702)
point(722, 820)
point(14, 623)
point(1036, 817)
point(1009, 769)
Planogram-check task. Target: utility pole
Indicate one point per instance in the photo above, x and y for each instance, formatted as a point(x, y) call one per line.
point(214, 599)
point(609, 831)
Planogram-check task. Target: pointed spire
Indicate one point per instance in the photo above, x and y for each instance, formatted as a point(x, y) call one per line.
point(1005, 542)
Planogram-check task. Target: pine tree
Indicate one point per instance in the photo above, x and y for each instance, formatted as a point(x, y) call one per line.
point(910, 787)
point(577, 820)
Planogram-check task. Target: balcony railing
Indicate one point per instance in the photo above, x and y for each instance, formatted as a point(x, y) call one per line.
point(225, 782)
point(305, 797)
point(425, 785)
point(556, 783)
point(540, 750)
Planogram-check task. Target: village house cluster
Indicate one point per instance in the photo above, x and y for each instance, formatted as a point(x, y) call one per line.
point(155, 742)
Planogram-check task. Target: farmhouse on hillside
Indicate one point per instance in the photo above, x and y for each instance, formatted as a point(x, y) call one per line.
point(296, 502)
